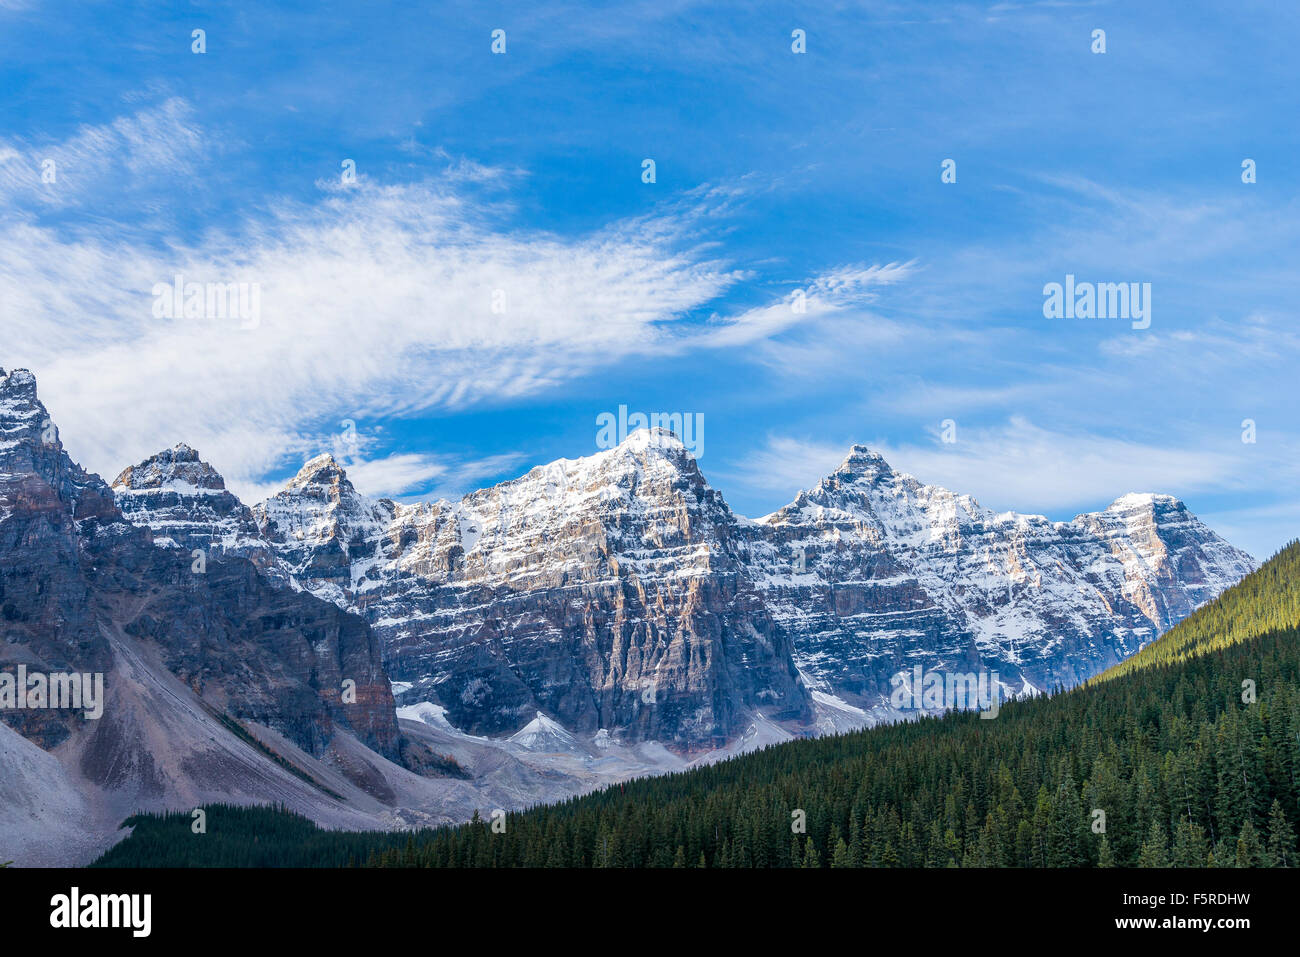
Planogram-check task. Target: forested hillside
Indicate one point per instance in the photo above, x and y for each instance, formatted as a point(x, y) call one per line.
point(1265, 600)
point(1188, 757)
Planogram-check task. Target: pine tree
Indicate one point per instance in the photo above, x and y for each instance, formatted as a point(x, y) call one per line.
point(1066, 820)
point(1190, 848)
point(810, 857)
point(1155, 849)
point(1104, 856)
point(1250, 852)
point(1281, 838)
point(840, 856)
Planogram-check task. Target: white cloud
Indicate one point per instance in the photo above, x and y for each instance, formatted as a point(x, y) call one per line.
point(378, 300)
point(392, 475)
point(1022, 467)
point(423, 476)
point(375, 301)
point(831, 294)
point(919, 397)
point(1258, 339)
point(103, 160)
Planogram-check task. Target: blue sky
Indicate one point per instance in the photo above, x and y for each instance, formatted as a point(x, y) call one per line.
point(521, 173)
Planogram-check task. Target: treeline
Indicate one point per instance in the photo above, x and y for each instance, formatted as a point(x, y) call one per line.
point(234, 836)
point(1189, 761)
point(1157, 769)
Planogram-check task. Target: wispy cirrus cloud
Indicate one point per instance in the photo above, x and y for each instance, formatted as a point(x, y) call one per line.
point(1021, 466)
point(831, 294)
point(412, 476)
point(103, 161)
point(380, 300)
point(1257, 339)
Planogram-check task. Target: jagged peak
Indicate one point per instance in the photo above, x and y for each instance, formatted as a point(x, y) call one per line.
point(18, 380)
point(179, 464)
point(863, 458)
point(23, 419)
point(1143, 500)
point(656, 437)
point(657, 450)
point(655, 444)
point(862, 462)
point(18, 390)
point(321, 470)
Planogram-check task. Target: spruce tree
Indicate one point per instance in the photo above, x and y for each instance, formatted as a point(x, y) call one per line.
point(1104, 856)
point(1250, 850)
point(810, 857)
point(1281, 838)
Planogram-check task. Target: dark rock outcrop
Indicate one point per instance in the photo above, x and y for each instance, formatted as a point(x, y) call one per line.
point(74, 572)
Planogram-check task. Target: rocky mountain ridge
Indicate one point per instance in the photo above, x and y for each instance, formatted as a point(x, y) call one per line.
point(75, 575)
point(619, 595)
point(874, 570)
point(220, 682)
point(591, 620)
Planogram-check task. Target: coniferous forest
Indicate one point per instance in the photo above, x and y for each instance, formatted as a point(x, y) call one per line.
point(1187, 755)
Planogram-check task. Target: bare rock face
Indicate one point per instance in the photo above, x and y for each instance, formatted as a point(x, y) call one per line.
point(47, 611)
point(184, 502)
point(323, 530)
point(76, 576)
point(607, 593)
point(618, 596)
point(1171, 563)
point(874, 572)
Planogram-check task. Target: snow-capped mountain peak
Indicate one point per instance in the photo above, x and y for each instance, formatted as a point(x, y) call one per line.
point(184, 501)
point(863, 462)
point(655, 438)
point(618, 591)
point(23, 416)
point(178, 467)
point(322, 470)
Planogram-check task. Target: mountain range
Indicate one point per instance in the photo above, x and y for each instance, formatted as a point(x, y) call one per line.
point(618, 593)
point(375, 663)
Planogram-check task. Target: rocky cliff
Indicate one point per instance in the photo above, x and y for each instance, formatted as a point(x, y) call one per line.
point(609, 593)
point(873, 572)
point(619, 596)
point(77, 578)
